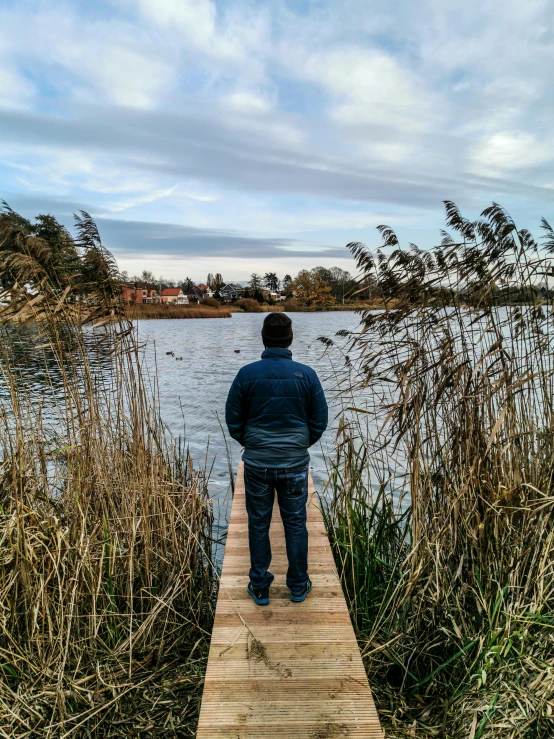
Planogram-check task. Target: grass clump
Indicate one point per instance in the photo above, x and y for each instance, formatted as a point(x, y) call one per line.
point(441, 505)
point(248, 305)
point(106, 586)
point(105, 582)
point(210, 303)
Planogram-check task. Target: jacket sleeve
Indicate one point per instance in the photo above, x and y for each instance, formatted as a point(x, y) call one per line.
point(318, 414)
point(234, 414)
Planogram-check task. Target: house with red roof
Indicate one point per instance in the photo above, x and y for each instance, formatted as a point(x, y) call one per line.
point(173, 295)
point(138, 295)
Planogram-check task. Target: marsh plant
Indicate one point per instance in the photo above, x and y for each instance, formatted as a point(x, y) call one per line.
point(441, 508)
point(106, 586)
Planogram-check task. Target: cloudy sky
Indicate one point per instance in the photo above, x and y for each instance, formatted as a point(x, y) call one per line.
point(241, 136)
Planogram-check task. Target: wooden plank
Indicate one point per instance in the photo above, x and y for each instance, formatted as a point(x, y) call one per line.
point(287, 668)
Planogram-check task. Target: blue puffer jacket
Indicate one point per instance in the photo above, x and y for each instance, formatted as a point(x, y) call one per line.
point(276, 409)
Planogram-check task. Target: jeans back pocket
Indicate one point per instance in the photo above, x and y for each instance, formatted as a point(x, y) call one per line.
point(255, 482)
point(297, 483)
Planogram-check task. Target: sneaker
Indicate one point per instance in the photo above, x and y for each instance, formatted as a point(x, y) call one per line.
point(303, 593)
point(261, 595)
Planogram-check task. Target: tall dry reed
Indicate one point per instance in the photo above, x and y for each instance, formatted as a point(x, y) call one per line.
point(106, 585)
point(441, 505)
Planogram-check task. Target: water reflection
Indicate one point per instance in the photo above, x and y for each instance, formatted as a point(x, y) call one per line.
point(42, 357)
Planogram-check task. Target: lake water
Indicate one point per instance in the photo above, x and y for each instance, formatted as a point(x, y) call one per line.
point(193, 390)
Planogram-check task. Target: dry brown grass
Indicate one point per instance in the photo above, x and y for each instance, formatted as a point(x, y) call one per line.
point(293, 306)
point(442, 506)
point(248, 305)
point(175, 311)
point(105, 582)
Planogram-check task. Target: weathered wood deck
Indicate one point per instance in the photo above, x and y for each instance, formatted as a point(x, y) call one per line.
point(286, 669)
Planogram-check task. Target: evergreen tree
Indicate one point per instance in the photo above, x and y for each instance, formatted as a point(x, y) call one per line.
point(255, 287)
point(255, 282)
point(32, 253)
point(285, 284)
point(16, 259)
point(271, 281)
point(62, 265)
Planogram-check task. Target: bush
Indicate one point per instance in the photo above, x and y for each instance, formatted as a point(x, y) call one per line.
point(249, 305)
point(212, 302)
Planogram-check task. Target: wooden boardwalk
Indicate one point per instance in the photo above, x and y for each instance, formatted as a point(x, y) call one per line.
point(287, 669)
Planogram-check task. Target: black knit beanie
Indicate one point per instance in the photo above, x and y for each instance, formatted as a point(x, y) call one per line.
point(277, 330)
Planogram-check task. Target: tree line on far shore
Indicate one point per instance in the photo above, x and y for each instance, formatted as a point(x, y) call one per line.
point(43, 251)
point(320, 286)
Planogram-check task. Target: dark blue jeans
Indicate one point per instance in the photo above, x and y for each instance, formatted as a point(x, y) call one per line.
point(292, 495)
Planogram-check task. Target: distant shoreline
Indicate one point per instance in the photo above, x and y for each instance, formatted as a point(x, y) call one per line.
point(283, 308)
point(322, 308)
point(146, 311)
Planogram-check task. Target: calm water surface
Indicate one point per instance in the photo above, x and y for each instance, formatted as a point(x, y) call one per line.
point(193, 390)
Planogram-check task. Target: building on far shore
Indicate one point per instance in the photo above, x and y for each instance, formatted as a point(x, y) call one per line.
point(138, 295)
point(143, 296)
point(231, 291)
point(195, 293)
point(206, 290)
point(173, 295)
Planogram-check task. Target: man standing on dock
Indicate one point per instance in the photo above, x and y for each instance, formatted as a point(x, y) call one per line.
point(276, 409)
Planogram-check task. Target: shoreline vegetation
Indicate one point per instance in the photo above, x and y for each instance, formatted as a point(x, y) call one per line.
point(144, 312)
point(106, 583)
point(440, 500)
point(295, 308)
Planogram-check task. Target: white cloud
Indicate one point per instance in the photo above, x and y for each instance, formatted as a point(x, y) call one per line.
point(16, 91)
point(126, 76)
point(88, 60)
point(229, 42)
point(506, 151)
point(149, 198)
point(191, 16)
point(244, 101)
point(232, 268)
point(370, 86)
